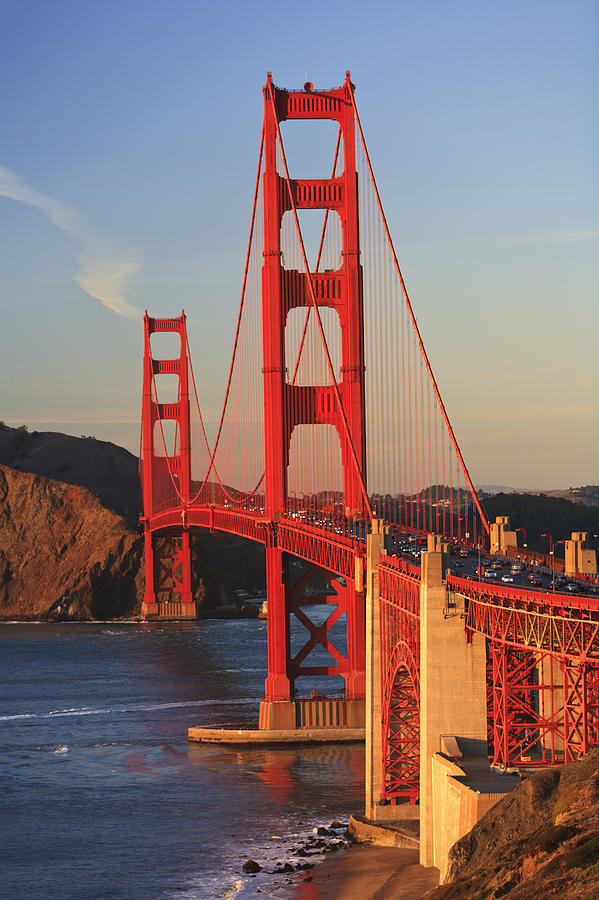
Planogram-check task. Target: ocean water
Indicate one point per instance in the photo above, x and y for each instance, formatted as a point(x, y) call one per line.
point(101, 795)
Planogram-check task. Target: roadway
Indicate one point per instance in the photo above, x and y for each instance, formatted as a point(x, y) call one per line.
point(498, 570)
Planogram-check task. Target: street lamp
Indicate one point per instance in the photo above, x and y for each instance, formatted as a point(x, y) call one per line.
point(556, 543)
point(524, 545)
point(552, 557)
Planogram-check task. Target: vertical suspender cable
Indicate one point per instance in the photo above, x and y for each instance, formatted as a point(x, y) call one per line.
point(415, 324)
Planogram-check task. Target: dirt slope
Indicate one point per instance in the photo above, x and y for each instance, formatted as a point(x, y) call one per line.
point(540, 841)
point(58, 541)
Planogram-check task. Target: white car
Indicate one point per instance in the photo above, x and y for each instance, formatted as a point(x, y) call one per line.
point(507, 579)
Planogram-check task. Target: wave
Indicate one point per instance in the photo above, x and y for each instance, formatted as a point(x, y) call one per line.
point(137, 707)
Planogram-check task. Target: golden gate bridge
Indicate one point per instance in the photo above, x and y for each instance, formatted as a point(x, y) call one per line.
point(333, 439)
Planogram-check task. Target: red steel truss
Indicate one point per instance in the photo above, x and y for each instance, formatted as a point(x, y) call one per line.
point(400, 680)
point(544, 655)
point(542, 673)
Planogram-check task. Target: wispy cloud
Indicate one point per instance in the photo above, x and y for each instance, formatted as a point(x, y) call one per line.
point(105, 265)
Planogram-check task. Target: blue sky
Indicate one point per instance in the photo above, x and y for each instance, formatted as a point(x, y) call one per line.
point(128, 147)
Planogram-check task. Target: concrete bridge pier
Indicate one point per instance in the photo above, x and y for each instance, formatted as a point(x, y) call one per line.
point(452, 690)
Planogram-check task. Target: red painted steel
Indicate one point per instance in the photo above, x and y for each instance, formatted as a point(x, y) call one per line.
point(156, 462)
point(543, 649)
point(288, 405)
point(543, 673)
point(400, 680)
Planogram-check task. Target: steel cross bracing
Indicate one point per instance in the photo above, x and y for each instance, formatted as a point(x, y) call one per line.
point(542, 676)
point(331, 416)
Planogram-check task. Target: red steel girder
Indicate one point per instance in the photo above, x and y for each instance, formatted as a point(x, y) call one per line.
point(399, 603)
point(401, 725)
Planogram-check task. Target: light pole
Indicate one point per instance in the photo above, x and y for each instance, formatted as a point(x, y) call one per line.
point(552, 557)
point(524, 545)
point(554, 546)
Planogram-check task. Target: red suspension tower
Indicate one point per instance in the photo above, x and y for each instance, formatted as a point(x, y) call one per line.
point(288, 405)
point(166, 480)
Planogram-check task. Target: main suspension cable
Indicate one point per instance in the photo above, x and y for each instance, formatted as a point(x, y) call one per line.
point(413, 318)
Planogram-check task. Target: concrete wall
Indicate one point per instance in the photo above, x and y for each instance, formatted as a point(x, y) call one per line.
point(501, 536)
point(452, 683)
point(456, 809)
point(579, 559)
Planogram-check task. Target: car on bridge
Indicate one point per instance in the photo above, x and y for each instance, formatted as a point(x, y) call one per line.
point(508, 579)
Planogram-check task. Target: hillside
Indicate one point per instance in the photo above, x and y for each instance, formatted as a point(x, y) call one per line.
point(541, 514)
point(68, 517)
point(108, 471)
point(65, 555)
point(540, 840)
point(62, 553)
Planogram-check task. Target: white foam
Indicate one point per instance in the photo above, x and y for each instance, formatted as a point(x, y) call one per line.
point(138, 707)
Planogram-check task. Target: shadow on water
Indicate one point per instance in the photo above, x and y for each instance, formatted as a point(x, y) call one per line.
point(102, 796)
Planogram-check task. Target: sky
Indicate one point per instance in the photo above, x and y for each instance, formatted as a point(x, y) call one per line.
point(128, 147)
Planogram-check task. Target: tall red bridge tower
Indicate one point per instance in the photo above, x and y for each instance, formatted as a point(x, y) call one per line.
point(288, 405)
point(168, 566)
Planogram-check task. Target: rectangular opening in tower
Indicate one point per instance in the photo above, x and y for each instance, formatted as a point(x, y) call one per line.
point(166, 438)
point(322, 237)
point(165, 345)
point(305, 355)
point(311, 148)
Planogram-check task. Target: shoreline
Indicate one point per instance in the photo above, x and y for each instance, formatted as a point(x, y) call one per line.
point(365, 872)
point(132, 620)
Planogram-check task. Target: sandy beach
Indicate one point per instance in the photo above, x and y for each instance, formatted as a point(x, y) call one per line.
point(366, 872)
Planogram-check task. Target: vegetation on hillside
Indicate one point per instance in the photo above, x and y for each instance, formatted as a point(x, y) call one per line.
point(539, 514)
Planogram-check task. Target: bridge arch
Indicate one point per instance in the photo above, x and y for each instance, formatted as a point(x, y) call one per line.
point(401, 725)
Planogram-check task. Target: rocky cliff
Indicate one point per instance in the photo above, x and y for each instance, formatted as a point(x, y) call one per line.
point(541, 840)
point(68, 544)
point(62, 553)
point(107, 470)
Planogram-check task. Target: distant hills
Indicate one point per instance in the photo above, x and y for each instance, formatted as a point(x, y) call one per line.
point(589, 494)
point(543, 514)
point(111, 474)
